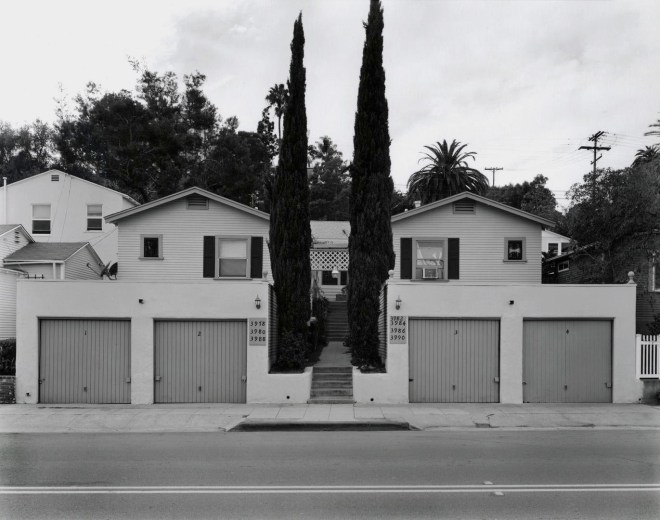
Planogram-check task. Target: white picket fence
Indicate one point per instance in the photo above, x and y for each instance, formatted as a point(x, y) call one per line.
point(648, 360)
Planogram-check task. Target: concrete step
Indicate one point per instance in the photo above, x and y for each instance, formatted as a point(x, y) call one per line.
point(340, 385)
point(332, 393)
point(330, 400)
point(337, 370)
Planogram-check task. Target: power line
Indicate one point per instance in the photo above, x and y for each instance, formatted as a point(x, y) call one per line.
point(493, 169)
point(596, 148)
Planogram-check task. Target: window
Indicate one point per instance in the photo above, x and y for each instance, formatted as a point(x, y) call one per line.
point(565, 246)
point(553, 248)
point(152, 247)
point(514, 250)
point(430, 263)
point(328, 279)
point(94, 217)
point(41, 219)
point(563, 266)
point(233, 257)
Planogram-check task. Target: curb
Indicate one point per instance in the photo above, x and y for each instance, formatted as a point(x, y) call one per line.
point(265, 425)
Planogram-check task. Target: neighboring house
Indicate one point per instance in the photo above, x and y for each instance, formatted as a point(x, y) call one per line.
point(580, 266)
point(554, 244)
point(56, 261)
point(57, 207)
point(12, 238)
point(329, 255)
point(467, 319)
point(190, 318)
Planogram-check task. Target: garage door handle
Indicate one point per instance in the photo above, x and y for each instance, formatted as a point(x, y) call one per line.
point(410, 380)
point(157, 378)
point(244, 378)
point(496, 380)
point(128, 379)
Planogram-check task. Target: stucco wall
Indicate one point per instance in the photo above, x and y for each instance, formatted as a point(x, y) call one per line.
point(116, 299)
point(615, 302)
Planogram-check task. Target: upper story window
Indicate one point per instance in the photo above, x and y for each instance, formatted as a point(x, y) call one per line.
point(563, 266)
point(151, 247)
point(232, 257)
point(553, 248)
point(94, 217)
point(430, 259)
point(515, 250)
point(565, 246)
point(41, 219)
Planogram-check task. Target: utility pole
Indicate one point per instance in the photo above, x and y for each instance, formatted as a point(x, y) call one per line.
point(493, 169)
point(596, 149)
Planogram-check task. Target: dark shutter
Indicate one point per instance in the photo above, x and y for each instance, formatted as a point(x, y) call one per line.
point(453, 255)
point(256, 257)
point(209, 257)
point(406, 259)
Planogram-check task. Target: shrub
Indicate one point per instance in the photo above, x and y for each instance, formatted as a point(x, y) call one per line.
point(320, 312)
point(291, 352)
point(8, 357)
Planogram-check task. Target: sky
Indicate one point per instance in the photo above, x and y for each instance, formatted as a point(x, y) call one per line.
point(523, 83)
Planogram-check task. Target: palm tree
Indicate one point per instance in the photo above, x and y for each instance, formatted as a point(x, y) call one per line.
point(447, 173)
point(654, 125)
point(277, 97)
point(647, 154)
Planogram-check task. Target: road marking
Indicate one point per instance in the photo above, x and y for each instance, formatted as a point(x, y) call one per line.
point(148, 490)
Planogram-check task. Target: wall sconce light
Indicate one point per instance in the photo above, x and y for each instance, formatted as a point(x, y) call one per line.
point(511, 302)
point(257, 302)
point(335, 274)
point(398, 303)
point(140, 300)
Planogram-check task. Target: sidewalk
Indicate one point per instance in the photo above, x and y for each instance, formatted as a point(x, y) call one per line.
point(224, 417)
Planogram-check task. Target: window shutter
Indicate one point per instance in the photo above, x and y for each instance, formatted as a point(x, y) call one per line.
point(209, 257)
point(453, 255)
point(256, 257)
point(406, 259)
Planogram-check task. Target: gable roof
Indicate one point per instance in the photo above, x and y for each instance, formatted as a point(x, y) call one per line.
point(330, 233)
point(47, 252)
point(185, 193)
point(476, 198)
point(6, 228)
point(73, 177)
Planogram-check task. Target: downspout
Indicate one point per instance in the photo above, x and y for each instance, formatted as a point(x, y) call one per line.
point(4, 197)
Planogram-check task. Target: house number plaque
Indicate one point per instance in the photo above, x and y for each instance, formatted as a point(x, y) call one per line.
point(398, 329)
point(257, 330)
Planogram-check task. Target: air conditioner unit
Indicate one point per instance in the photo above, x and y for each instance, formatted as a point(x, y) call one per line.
point(430, 273)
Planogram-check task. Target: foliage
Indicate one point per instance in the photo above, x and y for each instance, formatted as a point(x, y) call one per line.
point(7, 357)
point(647, 154)
point(320, 312)
point(617, 211)
point(290, 234)
point(370, 243)
point(329, 182)
point(655, 126)
point(445, 174)
point(291, 352)
point(401, 202)
point(25, 151)
point(533, 197)
point(278, 97)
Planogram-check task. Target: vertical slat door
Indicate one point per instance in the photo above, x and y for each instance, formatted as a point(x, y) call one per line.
point(567, 361)
point(200, 361)
point(454, 361)
point(85, 361)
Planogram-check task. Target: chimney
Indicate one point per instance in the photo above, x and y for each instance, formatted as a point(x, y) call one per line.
point(418, 203)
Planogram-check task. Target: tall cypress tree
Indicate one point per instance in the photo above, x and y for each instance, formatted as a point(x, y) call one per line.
point(371, 254)
point(290, 234)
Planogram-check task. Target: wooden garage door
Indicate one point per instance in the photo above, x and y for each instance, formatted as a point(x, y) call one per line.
point(454, 361)
point(567, 361)
point(85, 361)
point(200, 361)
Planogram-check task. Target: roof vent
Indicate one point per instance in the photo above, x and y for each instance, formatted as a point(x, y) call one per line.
point(198, 202)
point(464, 206)
point(55, 178)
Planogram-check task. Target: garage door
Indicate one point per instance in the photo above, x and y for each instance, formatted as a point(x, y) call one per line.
point(200, 361)
point(454, 361)
point(85, 361)
point(567, 361)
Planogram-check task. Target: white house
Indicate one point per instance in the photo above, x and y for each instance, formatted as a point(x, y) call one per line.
point(58, 207)
point(190, 317)
point(553, 243)
point(12, 238)
point(329, 255)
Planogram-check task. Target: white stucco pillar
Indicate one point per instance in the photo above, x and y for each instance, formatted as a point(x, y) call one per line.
point(511, 359)
point(142, 360)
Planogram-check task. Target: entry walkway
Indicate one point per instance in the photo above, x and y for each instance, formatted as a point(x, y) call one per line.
point(334, 354)
point(223, 417)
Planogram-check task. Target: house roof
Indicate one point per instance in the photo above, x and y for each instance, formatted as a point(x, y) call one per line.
point(477, 198)
point(551, 234)
point(185, 193)
point(47, 252)
point(330, 233)
point(6, 228)
point(77, 179)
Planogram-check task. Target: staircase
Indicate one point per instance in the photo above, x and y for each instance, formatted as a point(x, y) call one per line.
point(332, 385)
point(337, 326)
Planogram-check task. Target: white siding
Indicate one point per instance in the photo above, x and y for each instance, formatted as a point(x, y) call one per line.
point(8, 243)
point(76, 267)
point(8, 303)
point(39, 270)
point(182, 233)
point(481, 242)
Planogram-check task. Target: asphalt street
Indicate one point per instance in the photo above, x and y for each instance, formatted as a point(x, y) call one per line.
point(460, 474)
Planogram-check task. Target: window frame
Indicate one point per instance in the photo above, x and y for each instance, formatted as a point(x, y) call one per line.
point(160, 247)
point(49, 219)
point(99, 218)
point(524, 250)
point(248, 252)
point(445, 252)
point(557, 247)
point(655, 287)
point(567, 268)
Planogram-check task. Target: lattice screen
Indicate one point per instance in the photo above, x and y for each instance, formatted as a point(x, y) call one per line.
point(329, 259)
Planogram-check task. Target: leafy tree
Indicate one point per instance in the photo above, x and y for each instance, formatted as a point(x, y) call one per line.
point(329, 183)
point(370, 243)
point(401, 202)
point(647, 154)
point(290, 234)
point(446, 173)
point(25, 151)
point(533, 197)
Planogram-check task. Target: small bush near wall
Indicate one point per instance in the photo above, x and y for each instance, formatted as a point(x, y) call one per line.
point(7, 357)
point(7, 395)
point(320, 312)
point(290, 353)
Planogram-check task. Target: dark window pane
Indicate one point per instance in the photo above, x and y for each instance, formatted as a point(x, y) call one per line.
point(344, 277)
point(94, 224)
point(151, 247)
point(41, 227)
point(515, 249)
point(233, 267)
point(553, 248)
point(328, 279)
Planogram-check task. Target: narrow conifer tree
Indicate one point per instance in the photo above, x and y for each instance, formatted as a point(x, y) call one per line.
point(290, 234)
point(371, 254)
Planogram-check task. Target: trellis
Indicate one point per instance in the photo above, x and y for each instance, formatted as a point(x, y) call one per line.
point(329, 259)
